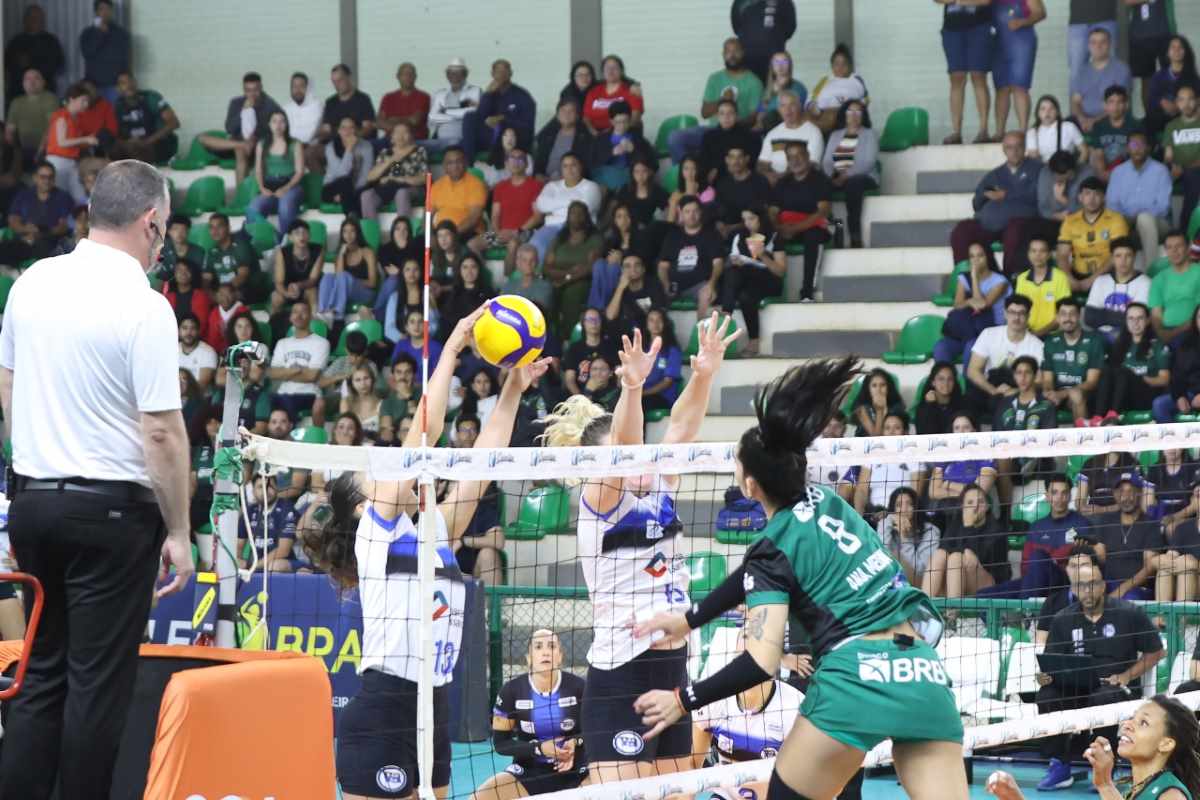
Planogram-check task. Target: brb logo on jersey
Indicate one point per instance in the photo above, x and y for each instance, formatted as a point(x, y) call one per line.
point(440, 605)
point(391, 778)
point(628, 743)
point(657, 566)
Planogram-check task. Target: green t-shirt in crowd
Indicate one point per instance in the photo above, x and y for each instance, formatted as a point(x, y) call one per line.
point(1070, 362)
point(1177, 294)
point(202, 464)
point(1113, 140)
point(1183, 138)
point(747, 90)
point(141, 115)
point(31, 117)
point(223, 263)
point(1037, 414)
point(193, 257)
point(1158, 357)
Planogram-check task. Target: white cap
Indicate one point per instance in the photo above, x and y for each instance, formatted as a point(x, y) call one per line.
point(456, 63)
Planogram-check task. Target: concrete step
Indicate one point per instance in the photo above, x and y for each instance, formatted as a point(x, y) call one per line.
point(916, 233)
point(908, 274)
point(801, 344)
point(900, 170)
point(943, 182)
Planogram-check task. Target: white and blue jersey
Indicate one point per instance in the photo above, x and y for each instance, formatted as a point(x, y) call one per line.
point(386, 550)
point(631, 562)
point(541, 717)
point(740, 735)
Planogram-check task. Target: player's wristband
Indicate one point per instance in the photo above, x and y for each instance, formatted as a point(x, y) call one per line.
point(738, 675)
point(724, 597)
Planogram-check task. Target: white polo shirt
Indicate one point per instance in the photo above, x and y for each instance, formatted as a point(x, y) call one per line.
point(91, 347)
point(201, 357)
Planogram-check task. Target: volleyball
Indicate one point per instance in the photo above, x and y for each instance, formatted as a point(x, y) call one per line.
point(511, 333)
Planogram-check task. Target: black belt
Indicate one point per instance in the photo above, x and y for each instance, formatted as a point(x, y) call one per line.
point(118, 490)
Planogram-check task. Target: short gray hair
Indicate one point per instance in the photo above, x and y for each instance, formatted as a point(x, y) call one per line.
point(124, 191)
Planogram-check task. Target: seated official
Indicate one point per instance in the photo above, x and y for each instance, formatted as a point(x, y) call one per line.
point(1192, 684)
point(1059, 597)
point(1124, 645)
point(535, 722)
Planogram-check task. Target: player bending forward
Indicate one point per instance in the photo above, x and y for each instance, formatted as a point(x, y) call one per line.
point(878, 675)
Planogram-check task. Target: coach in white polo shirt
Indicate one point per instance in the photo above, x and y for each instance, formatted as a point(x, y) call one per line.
point(89, 383)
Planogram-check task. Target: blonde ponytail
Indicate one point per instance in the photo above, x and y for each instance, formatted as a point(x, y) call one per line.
point(575, 421)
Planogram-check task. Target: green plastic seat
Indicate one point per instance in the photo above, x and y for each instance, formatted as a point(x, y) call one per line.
point(198, 156)
point(318, 234)
point(683, 304)
point(1075, 466)
point(1064, 417)
point(794, 248)
point(693, 345)
point(370, 328)
point(264, 332)
point(774, 300)
point(576, 334)
point(310, 434)
point(205, 194)
point(6, 284)
point(1148, 458)
point(262, 235)
point(6, 234)
point(670, 179)
point(1032, 508)
point(905, 128)
point(545, 510)
point(371, 232)
point(247, 190)
point(657, 414)
point(707, 569)
point(199, 235)
point(1193, 227)
point(1136, 417)
point(669, 126)
point(917, 338)
point(946, 298)
point(316, 325)
point(498, 253)
point(856, 388)
point(312, 183)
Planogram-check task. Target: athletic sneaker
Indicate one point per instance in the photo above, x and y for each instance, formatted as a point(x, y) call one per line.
point(1057, 777)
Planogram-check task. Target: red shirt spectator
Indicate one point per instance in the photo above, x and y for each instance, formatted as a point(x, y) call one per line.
point(599, 98)
point(217, 321)
point(515, 201)
point(187, 299)
point(407, 103)
point(98, 116)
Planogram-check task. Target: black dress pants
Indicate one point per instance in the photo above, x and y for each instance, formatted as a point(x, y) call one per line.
point(1070, 746)
point(97, 557)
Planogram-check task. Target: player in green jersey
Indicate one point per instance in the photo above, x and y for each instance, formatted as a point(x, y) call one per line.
point(1162, 743)
point(818, 561)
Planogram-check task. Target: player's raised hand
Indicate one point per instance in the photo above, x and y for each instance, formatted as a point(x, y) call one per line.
point(1100, 755)
point(713, 339)
point(523, 377)
point(636, 363)
point(460, 338)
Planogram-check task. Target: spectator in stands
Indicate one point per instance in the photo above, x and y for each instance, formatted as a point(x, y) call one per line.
point(37, 217)
point(851, 162)
point(458, 196)
point(1127, 542)
point(1178, 566)
point(1173, 480)
point(99, 119)
point(971, 557)
point(556, 197)
point(448, 251)
point(1005, 200)
point(1181, 141)
point(948, 481)
point(1086, 236)
point(33, 48)
point(296, 366)
point(941, 401)
point(401, 399)
point(1138, 369)
point(298, 268)
point(408, 104)
point(1096, 484)
point(278, 168)
point(339, 375)
point(221, 329)
point(304, 112)
point(967, 43)
point(1180, 68)
point(146, 123)
point(348, 161)
point(468, 292)
point(65, 140)
point(692, 259)
point(1175, 292)
point(580, 354)
point(1073, 360)
point(1048, 543)
point(194, 354)
point(347, 101)
point(1025, 410)
point(400, 259)
point(692, 183)
point(1090, 80)
point(754, 272)
point(793, 127)
point(623, 237)
point(29, 115)
point(602, 387)
point(636, 293)
point(779, 80)
point(727, 134)
point(582, 81)
point(412, 343)
point(106, 50)
point(561, 135)
point(1120, 660)
point(480, 545)
point(568, 264)
point(801, 203)
point(359, 397)
point(643, 197)
point(450, 106)
point(497, 166)
point(738, 189)
point(836, 89)
point(1185, 376)
point(1108, 140)
point(398, 174)
point(614, 88)
point(503, 104)
point(879, 397)
point(908, 535)
point(1016, 50)
point(355, 278)
point(245, 120)
point(979, 295)
point(272, 541)
point(1052, 134)
point(1044, 285)
point(1140, 189)
point(616, 150)
point(763, 27)
point(1084, 17)
point(230, 260)
point(876, 481)
point(185, 296)
point(525, 281)
point(735, 82)
point(1059, 184)
point(665, 379)
point(177, 248)
point(989, 371)
point(193, 400)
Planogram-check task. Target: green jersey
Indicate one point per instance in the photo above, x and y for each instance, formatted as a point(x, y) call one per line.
point(1183, 137)
point(193, 256)
point(1147, 366)
point(202, 464)
point(1070, 362)
point(823, 560)
point(1155, 788)
point(747, 90)
point(1037, 414)
point(223, 262)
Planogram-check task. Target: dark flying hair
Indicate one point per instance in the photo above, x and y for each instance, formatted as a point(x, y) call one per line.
point(330, 546)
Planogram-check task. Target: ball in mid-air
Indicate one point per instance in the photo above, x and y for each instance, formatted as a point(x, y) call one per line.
point(511, 332)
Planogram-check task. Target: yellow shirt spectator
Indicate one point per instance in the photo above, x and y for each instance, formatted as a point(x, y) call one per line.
point(1044, 296)
point(457, 200)
point(1091, 242)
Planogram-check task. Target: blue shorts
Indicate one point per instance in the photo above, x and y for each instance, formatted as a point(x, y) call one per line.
point(1015, 53)
point(969, 50)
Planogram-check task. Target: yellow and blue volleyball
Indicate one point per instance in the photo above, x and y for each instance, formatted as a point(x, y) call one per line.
point(511, 332)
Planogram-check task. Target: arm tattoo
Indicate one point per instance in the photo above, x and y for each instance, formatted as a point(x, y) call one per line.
point(756, 623)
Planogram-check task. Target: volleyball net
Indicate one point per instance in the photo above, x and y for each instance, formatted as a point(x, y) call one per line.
point(1006, 530)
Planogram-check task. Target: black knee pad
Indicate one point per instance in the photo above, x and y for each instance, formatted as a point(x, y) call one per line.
point(778, 790)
